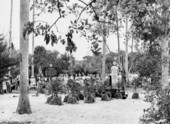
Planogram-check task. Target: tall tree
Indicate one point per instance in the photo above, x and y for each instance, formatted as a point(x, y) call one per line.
point(24, 103)
point(151, 21)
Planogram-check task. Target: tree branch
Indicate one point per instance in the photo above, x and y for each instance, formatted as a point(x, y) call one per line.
point(89, 4)
point(60, 16)
point(54, 22)
point(94, 11)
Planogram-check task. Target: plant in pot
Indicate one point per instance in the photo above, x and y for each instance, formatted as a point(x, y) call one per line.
point(74, 91)
point(89, 90)
point(135, 83)
point(55, 88)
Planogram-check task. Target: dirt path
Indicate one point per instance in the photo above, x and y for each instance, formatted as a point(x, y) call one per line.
point(113, 112)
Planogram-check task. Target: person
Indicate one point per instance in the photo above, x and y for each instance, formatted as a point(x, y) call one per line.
point(38, 86)
point(4, 86)
point(17, 85)
point(114, 75)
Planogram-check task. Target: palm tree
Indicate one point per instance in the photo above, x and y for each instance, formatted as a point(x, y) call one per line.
point(24, 104)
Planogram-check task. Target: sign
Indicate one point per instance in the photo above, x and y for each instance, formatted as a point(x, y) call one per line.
point(50, 72)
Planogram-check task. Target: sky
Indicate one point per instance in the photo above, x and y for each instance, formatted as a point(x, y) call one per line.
point(81, 43)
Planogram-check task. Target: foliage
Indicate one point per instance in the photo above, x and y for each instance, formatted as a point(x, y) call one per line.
point(159, 111)
point(89, 99)
point(43, 58)
point(75, 91)
point(65, 98)
point(135, 96)
point(105, 97)
point(89, 90)
point(56, 100)
point(118, 95)
point(55, 88)
point(92, 65)
point(49, 99)
point(72, 99)
point(5, 60)
point(70, 44)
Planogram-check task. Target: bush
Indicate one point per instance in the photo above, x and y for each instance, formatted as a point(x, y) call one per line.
point(65, 99)
point(81, 96)
point(109, 95)
point(56, 101)
point(118, 96)
point(49, 99)
point(135, 96)
point(89, 99)
point(76, 96)
point(105, 97)
point(72, 99)
point(159, 112)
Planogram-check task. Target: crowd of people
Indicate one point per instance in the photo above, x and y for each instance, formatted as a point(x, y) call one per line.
point(10, 84)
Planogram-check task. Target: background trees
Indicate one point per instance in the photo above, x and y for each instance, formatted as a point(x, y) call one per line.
point(5, 60)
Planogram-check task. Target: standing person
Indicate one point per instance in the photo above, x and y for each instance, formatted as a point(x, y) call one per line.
point(4, 86)
point(114, 74)
point(17, 85)
point(38, 86)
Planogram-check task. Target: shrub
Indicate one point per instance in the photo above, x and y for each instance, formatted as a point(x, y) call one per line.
point(81, 96)
point(109, 94)
point(49, 99)
point(159, 111)
point(89, 99)
point(56, 101)
point(118, 95)
point(72, 99)
point(105, 97)
point(135, 96)
point(76, 96)
point(65, 98)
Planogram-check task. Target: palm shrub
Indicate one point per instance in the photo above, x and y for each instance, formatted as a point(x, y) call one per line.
point(55, 88)
point(136, 82)
point(106, 97)
point(118, 95)
point(74, 92)
point(99, 87)
point(89, 90)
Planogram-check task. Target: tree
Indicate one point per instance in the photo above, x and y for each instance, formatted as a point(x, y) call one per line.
point(6, 60)
point(40, 59)
point(152, 26)
point(24, 103)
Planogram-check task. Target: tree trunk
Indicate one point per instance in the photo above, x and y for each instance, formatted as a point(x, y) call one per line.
point(32, 59)
point(104, 52)
point(118, 37)
point(132, 58)
point(10, 34)
point(165, 62)
point(126, 53)
point(24, 104)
